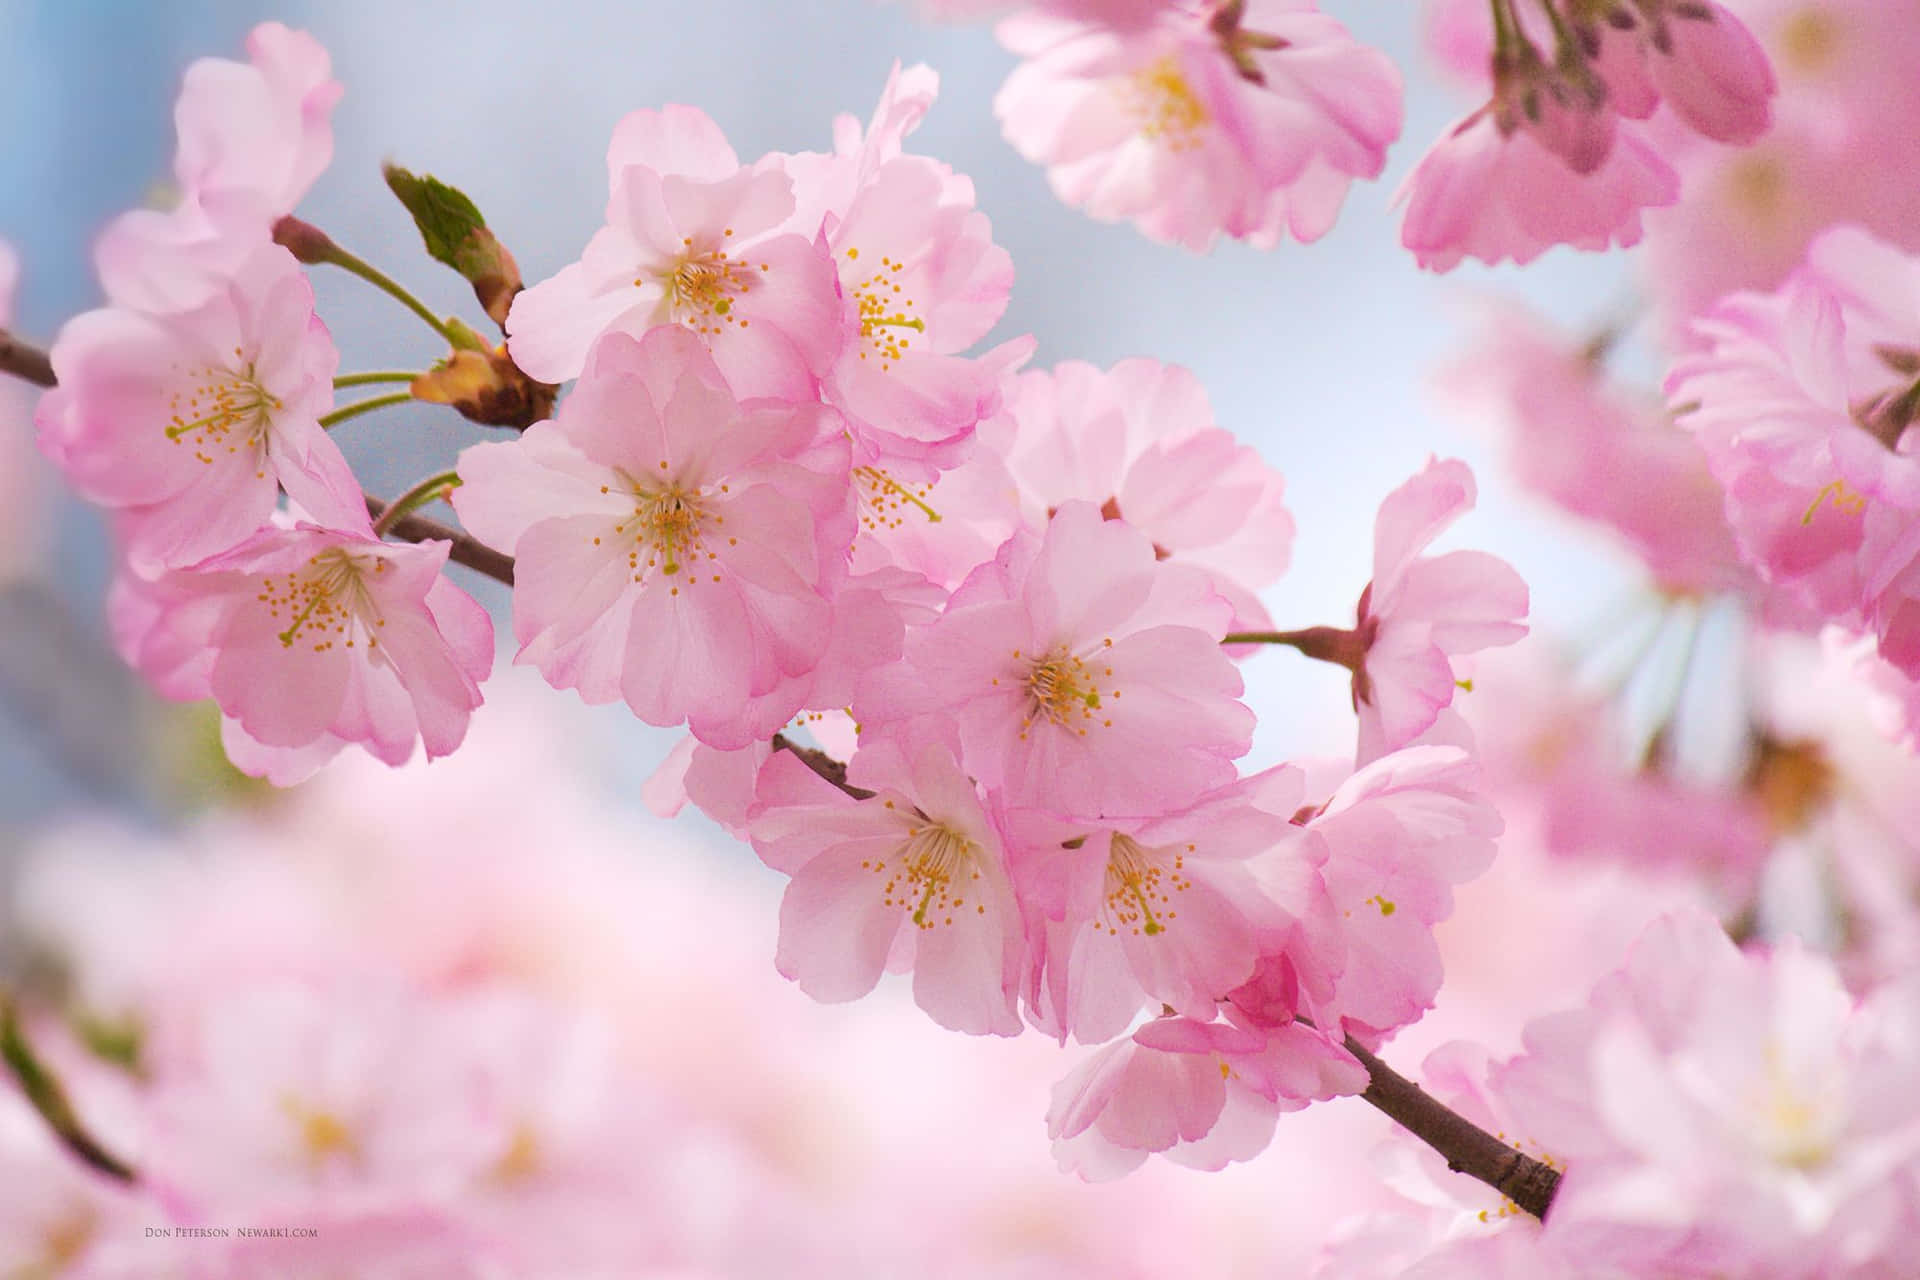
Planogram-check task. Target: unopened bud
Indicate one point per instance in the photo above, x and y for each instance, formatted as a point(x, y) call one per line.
point(487, 387)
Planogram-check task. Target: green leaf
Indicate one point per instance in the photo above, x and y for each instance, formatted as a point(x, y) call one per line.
point(447, 218)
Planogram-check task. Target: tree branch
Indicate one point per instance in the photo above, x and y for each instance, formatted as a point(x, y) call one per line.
point(28, 363)
point(43, 1090)
point(821, 763)
point(1468, 1148)
point(467, 550)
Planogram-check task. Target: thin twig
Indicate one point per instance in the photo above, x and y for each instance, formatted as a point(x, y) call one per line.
point(28, 363)
point(821, 763)
point(467, 550)
point(43, 1090)
point(1468, 1148)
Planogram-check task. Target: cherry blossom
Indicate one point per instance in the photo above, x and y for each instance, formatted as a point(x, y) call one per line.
point(696, 240)
point(1493, 195)
point(915, 872)
point(1419, 610)
point(1250, 117)
point(1200, 1093)
point(191, 422)
point(1802, 399)
point(1397, 835)
point(1597, 449)
point(311, 638)
point(1083, 677)
point(920, 276)
point(253, 138)
point(1750, 213)
point(1726, 1111)
point(673, 543)
point(1549, 159)
point(1139, 441)
point(1163, 912)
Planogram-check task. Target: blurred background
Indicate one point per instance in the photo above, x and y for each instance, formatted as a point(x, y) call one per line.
point(1320, 356)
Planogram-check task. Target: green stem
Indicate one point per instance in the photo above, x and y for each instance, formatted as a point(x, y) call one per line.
point(381, 280)
point(376, 376)
point(354, 410)
point(431, 489)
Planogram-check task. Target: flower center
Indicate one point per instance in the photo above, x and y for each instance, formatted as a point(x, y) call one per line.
point(884, 500)
point(220, 410)
point(700, 287)
point(1844, 499)
point(521, 1160)
point(886, 314)
point(322, 1134)
point(1808, 41)
point(1794, 1124)
point(1165, 105)
point(1062, 689)
point(930, 873)
point(1792, 782)
point(65, 1240)
point(328, 602)
point(1141, 883)
point(1758, 186)
point(668, 530)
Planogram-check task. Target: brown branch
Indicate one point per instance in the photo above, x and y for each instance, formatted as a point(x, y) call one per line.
point(25, 362)
point(467, 550)
point(821, 763)
point(44, 1091)
point(1468, 1148)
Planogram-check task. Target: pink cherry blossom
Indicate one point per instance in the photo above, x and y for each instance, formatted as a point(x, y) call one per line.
point(1250, 119)
point(311, 638)
point(1083, 676)
point(1399, 834)
point(921, 279)
point(696, 240)
point(1707, 66)
point(1139, 442)
point(916, 871)
point(1419, 610)
point(292, 1096)
point(1548, 160)
point(1200, 1093)
point(1802, 400)
point(1162, 912)
point(1494, 193)
point(253, 137)
point(1594, 448)
point(191, 422)
point(1727, 1112)
point(673, 544)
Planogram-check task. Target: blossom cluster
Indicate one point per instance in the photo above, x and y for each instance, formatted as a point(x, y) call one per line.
point(1252, 118)
point(1001, 597)
point(400, 1023)
point(1712, 1112)
point(196, 398)
point(786, 492)
point(957, 643)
